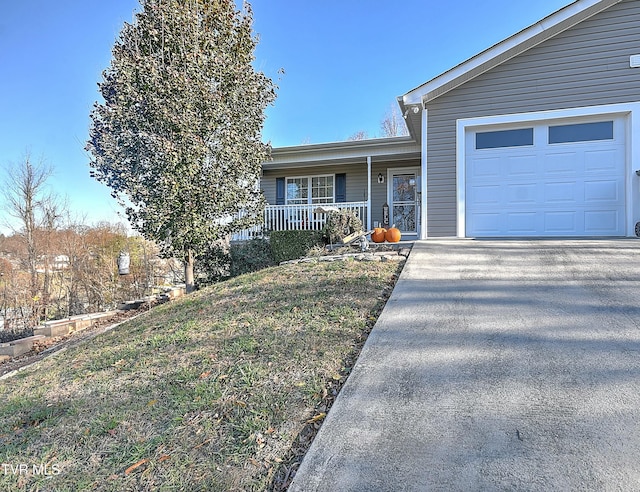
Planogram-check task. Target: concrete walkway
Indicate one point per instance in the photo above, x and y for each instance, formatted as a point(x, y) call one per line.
point(496, 365)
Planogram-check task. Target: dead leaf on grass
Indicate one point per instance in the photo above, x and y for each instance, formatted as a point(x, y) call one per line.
point(164, 457)
point(207, 441)
point(317, 418)
point(205, 374)
point(136, 465)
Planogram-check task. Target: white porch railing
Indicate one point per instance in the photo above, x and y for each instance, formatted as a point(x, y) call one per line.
point(299, 218)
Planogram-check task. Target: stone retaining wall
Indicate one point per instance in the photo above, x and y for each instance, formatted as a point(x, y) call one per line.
point(73, 324)
point(399, 254)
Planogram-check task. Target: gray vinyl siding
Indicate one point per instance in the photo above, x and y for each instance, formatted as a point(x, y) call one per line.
point(378, 190)
point(586, 65)
point(268, 187)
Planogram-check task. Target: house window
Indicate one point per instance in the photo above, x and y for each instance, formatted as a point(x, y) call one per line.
point(297, 190)
point(321, 190)
point(582, 132)
point(504, 138)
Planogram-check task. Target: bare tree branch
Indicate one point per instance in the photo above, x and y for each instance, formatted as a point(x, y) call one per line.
point(393, 124)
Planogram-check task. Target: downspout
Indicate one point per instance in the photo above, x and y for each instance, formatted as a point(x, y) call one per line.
point(368, 224)
point(423, 176)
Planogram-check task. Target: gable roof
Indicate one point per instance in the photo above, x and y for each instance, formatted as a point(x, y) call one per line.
point(505, 50)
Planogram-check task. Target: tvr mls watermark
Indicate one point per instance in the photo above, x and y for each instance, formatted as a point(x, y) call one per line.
point(27, 469)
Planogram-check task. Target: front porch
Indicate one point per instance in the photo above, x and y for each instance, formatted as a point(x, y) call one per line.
point(300, 218)
point(378, 179)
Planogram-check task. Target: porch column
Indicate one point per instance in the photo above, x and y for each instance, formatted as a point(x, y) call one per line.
point(368, 224)
point(423, 177)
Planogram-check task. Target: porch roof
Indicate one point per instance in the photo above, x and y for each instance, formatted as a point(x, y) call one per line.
point(348, 152)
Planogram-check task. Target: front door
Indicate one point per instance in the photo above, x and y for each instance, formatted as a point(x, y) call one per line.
point(403, 199)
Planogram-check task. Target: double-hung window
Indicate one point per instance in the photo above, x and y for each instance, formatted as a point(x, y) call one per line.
point(310, 190)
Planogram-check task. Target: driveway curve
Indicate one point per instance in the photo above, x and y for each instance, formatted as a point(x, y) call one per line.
point(495, 365)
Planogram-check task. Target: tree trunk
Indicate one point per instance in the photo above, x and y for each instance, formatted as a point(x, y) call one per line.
point(188, 272)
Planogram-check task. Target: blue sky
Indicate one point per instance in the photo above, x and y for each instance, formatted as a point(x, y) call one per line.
point(344, 63)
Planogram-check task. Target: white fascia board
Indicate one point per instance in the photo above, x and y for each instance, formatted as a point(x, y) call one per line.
point(336, 151)
point(417, 95)
point(375, 143)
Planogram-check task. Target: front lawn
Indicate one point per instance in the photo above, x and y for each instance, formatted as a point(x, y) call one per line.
point(221, 390)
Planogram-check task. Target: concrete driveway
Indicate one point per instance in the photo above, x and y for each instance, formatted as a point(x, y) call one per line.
point(496, 365)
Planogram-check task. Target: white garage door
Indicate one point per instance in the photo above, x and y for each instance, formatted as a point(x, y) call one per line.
point(553, 179)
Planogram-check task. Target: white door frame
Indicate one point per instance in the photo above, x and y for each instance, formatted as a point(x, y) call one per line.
point(631, 114)
point(404, 170)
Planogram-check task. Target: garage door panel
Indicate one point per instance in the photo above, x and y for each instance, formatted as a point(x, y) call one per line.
point(602, 222)
point(486, 168)
point(489, 224)
point(522, 223)
point(522, 166)
point(602, 191)
point(564, 189)
point(486, 195)
point(565, 164)
point(518, 194)
point(561, 222)
point(603, 162)
point(560, 193)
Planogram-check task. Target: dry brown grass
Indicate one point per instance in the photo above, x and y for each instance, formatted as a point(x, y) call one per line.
point(217, 391)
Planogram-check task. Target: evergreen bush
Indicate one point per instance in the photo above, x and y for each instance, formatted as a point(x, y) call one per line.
point(291, 245)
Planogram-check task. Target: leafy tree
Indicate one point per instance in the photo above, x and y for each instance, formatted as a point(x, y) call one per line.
point(178, 138)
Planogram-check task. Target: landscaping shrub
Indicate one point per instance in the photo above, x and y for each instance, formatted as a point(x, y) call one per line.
point(220, 262)
point(340, 224)
point(250, 256)
point(290, 245)
point(213, 265)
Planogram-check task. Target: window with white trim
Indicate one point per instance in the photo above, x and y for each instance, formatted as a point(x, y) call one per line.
point(310, 190)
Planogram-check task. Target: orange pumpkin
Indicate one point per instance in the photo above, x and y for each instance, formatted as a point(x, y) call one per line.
point(378, 235)
point(393, 235)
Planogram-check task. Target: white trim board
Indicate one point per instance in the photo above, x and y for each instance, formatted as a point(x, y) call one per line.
point(631, 112)
point(424, 234)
